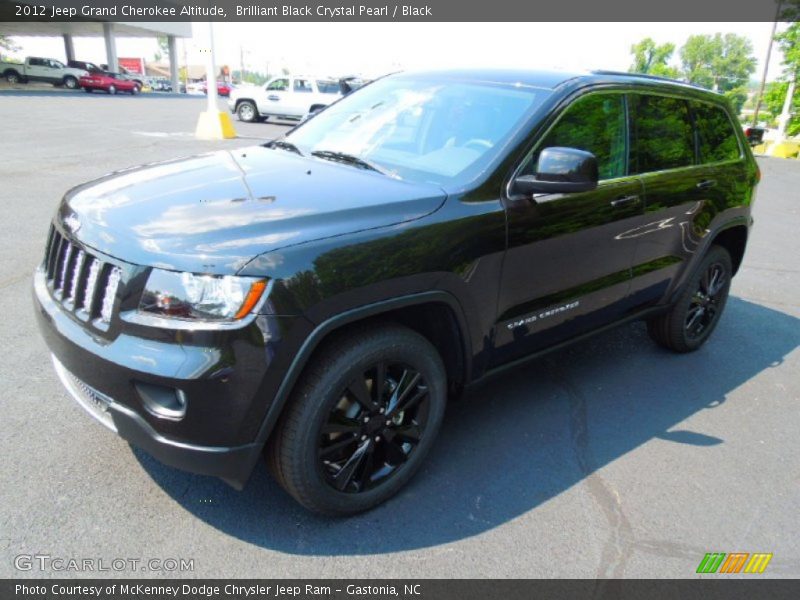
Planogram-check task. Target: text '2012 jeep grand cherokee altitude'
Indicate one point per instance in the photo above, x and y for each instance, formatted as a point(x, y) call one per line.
point(318, 298)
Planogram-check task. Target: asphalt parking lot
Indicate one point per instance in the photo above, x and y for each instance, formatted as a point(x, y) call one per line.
point(612, 458)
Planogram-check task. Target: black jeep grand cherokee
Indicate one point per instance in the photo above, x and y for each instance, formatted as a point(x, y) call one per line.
point(321, 296)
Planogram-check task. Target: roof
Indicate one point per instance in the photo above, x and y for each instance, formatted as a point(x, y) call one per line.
point(552, 80)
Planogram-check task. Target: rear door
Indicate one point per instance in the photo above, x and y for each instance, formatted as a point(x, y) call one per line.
point(567, 270)
point(663, 153)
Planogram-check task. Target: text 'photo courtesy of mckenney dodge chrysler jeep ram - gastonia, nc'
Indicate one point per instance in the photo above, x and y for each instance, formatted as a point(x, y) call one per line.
point(317, 300)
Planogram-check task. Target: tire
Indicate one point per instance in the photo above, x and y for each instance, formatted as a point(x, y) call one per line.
point(135, 90)
point(368, 449)
point(13, 77)
point(692, 319)
point(70, 82)
point(112, 90)
point(247, 112)
point(87, 90)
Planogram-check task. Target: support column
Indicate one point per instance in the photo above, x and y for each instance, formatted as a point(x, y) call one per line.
point(213, 123)
point(69, 47)
point(173, 63)
point(111, 47)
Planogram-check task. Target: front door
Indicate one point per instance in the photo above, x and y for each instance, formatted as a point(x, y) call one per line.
point(275, 97)
point(567, 269)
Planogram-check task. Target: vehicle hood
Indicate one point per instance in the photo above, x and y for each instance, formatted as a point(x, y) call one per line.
point(214, 213)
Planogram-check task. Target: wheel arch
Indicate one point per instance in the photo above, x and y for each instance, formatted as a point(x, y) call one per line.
point(436, 315)
point(734, 240)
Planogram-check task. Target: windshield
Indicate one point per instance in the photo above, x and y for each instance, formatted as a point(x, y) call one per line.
point(419, 128)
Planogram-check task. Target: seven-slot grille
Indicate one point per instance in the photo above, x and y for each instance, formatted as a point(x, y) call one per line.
point(82, 283)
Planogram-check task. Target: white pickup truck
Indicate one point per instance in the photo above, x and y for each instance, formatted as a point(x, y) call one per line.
point(41, 69)
point(285, 97)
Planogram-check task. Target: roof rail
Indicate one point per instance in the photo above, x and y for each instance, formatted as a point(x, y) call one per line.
point(648, 76)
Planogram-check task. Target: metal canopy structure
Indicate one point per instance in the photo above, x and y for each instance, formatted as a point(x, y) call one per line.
point(110, 30)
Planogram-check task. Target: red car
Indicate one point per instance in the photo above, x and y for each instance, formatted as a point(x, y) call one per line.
point(110, 83)
point(223, 89)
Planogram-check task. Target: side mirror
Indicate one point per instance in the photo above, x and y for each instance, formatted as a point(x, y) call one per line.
point(560, 170)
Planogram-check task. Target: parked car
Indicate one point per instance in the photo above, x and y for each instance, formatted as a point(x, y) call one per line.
point(223, 88)
point(84, 65)
point(48, 70)
point(321, 297)
point(754, 135)
point(126, 74)
point(110, 83)
point(285, 97)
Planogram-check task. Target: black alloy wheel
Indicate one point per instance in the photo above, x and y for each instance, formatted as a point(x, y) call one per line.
point(704, 304)
point(695, 314)
point(361, 419)
point(374, 428)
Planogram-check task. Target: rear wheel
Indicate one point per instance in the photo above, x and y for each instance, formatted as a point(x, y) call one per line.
point(247, 112)
point(87, 90)
point(135, 91)
point(694, 316)
point(360, 421)
point(70, 82)
point(12, 77)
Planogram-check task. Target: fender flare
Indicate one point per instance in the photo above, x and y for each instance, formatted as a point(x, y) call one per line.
point(323, 329)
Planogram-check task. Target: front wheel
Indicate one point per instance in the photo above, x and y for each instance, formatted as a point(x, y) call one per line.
point(247, 112)
point(135, 91)
point(112, 90)
point(361, 420)
point(694, 316)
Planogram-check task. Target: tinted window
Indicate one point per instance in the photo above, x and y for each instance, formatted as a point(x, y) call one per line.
point(326, 86)
point(279, 85)
point(662, 136)
point(596, 124)
point(715, 133)
point(302, 85)
point(36, 62)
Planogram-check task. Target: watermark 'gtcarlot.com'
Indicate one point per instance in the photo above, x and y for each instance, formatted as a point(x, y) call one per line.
point(47, 562)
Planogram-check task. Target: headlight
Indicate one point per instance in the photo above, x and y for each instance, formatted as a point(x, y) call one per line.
point(199, 298)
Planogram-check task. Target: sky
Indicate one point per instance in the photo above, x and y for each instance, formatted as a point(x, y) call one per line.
point(372, 49)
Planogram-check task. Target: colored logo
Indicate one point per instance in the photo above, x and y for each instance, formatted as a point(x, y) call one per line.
point(735, 562)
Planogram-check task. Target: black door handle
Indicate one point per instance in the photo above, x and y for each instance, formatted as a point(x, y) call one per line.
point(708, 183)
point(624, 201)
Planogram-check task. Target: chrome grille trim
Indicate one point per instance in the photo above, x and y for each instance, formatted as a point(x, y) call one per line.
point(95, 403)
point(80, 281)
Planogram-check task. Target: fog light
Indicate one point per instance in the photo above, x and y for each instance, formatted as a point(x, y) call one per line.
point(162, 402)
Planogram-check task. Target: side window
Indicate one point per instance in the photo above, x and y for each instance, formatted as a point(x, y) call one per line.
point(715, 133)
point(662, 136)
point(594, 123)
point(36, 62)
point(302, 86)
point(279, 85)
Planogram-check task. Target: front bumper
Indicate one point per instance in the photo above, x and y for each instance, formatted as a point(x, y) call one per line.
point(219, 374)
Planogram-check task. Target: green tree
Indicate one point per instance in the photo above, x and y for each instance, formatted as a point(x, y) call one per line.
point(163, 48)
point(652, 59)
point(7, 44)
point(720, 62)
point(789, 43)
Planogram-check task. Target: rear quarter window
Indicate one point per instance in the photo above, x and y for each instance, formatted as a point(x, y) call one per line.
point(715, 133)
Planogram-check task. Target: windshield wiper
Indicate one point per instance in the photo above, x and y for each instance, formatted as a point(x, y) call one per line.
point(284, 145)
point(352, 159)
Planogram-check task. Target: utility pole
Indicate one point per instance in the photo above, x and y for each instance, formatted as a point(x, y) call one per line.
point(766, 64)
point(786, 113)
